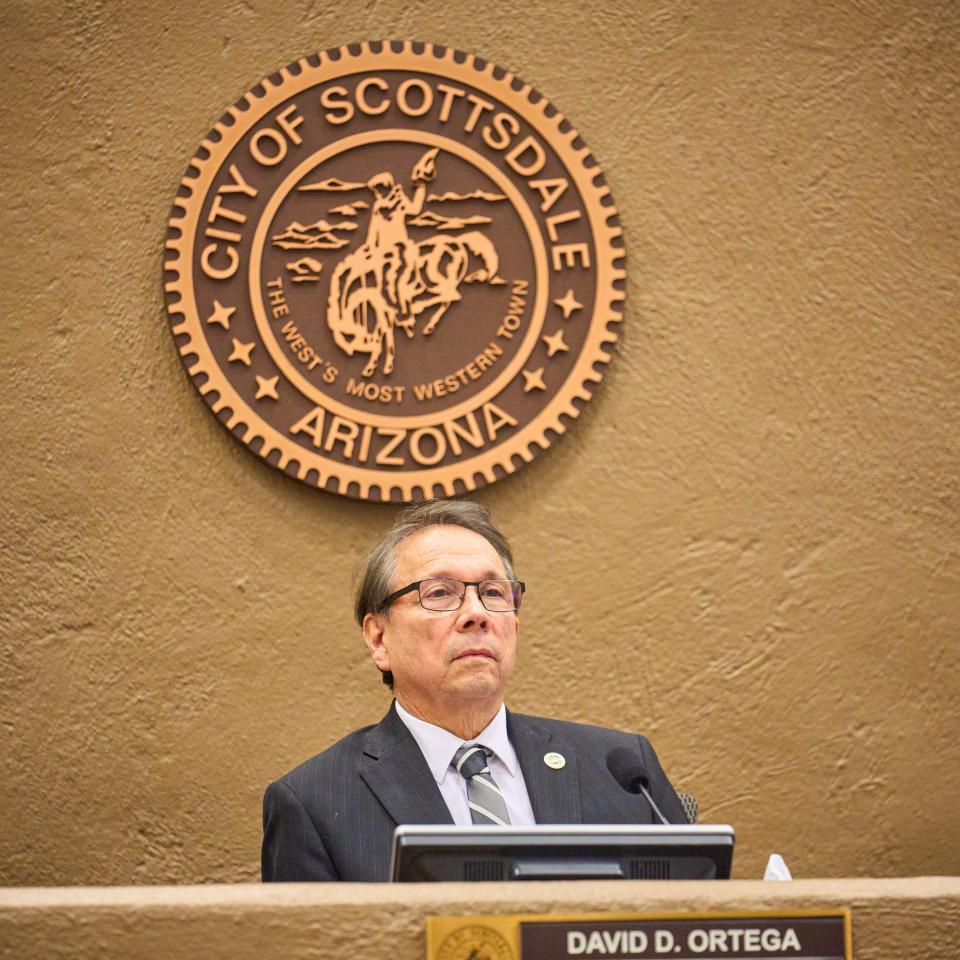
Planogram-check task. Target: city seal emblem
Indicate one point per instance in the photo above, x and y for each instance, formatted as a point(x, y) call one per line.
point(475, 942)
point(394, 271)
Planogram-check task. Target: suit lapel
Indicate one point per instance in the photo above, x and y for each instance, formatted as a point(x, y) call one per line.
point(396, 771)
point(554, 794)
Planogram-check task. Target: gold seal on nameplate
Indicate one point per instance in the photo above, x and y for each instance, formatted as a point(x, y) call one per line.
point(394, 271)
point(474, 942)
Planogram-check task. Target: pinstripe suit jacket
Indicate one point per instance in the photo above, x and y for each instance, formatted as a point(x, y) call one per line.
point(332, 818)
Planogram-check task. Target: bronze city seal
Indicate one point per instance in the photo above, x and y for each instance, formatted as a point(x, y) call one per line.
point(394, 271)
point(475, 942)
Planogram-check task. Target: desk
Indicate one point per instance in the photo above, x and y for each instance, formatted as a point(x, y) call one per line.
point(904, 918)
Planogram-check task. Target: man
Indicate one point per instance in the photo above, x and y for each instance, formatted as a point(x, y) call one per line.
point(438, 606)
point(387, 234)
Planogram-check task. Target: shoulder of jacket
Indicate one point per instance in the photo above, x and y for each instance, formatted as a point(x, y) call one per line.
point(343, 751)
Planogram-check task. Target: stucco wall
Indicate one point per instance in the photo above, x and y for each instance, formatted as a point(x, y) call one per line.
point(746, 547)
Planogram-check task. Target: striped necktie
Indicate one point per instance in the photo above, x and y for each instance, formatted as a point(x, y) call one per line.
point(483, 795)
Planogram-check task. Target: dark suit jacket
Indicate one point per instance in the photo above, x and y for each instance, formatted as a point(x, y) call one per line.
point(332, 818)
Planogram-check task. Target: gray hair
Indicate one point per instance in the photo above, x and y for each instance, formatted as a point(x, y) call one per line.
point(381, 560)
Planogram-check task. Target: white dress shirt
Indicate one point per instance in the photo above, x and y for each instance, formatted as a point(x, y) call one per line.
point(438, 747)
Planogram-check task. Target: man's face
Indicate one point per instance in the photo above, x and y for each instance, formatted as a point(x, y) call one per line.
point(444, 661)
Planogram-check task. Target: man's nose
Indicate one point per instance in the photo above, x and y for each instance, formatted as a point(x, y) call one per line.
point(472, 610)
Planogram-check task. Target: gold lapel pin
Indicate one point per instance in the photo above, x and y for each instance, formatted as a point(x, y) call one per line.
point(555, 761)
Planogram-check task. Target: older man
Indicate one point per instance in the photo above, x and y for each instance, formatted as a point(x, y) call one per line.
point(439, 606)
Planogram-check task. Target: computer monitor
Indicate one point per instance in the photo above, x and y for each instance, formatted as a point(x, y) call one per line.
point(562, 852)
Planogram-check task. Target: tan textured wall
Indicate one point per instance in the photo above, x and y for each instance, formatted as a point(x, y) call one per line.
point(746, 547)
point(912, 919)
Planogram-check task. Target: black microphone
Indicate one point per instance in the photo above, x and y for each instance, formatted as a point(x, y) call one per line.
point(629, 770)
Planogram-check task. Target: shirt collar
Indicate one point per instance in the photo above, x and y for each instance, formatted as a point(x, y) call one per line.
point(439, 745)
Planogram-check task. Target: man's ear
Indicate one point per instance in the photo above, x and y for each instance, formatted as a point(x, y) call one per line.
point(374, 625)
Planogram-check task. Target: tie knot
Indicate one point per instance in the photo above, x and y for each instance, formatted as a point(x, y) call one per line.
point(470, 760)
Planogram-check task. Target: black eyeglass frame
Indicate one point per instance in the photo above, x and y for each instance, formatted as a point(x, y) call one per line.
point(410, 587)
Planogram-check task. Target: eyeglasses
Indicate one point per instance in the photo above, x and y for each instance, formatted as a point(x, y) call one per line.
point(444, 594)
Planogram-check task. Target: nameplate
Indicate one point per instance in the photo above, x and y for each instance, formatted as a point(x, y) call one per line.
point(800, 935)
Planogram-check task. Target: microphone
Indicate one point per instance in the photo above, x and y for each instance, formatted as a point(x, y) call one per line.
point(629, 770)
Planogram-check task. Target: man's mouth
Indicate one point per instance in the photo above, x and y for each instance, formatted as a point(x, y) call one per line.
point(475, 652)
